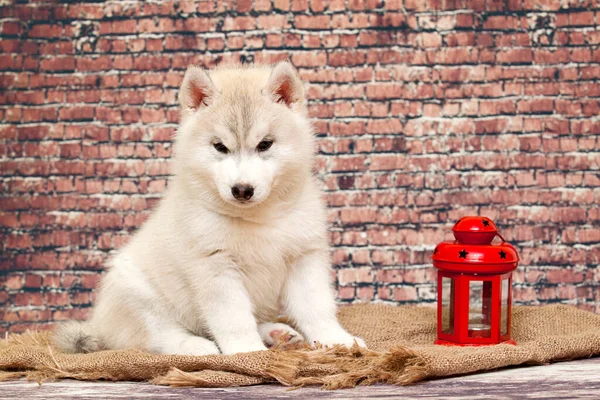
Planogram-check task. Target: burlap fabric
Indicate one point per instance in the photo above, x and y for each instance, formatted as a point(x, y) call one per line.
point(400, 352)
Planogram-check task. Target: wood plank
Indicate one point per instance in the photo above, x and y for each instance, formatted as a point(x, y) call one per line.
point(575, 379)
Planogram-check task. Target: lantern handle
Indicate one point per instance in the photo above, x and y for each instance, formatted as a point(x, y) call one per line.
point(504, 241)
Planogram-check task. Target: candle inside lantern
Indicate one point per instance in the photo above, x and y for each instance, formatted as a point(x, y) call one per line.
point(479, 330)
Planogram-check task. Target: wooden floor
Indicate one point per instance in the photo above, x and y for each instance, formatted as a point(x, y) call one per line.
point(574, 380)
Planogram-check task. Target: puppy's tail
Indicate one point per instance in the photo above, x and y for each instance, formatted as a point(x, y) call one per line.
point(75, 337)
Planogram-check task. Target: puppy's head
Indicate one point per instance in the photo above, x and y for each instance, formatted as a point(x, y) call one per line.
point(244, 137)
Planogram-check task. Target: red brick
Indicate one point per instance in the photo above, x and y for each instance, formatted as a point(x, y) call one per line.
point(239, 23)
point(516, 56)
point(581, 18)
point(346, 293)
point(124, 26)
point(272, 22)
point(310, 22)
point(405, 293)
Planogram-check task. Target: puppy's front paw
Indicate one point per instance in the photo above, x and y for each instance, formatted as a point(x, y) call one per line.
point(196, 346)
point(338, 337)
point(273, 334)
point(241, 346)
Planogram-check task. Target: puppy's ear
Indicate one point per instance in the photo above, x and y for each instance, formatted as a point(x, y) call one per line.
point(285, 87)
point(197, 90)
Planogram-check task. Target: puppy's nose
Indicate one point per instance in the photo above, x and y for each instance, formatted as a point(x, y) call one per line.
point(242, 192)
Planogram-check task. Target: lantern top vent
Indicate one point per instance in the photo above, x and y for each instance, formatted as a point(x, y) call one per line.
point(475, 230)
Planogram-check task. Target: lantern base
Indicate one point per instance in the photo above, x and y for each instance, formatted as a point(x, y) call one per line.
point(442, 342)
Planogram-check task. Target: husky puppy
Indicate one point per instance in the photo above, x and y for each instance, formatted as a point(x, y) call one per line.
point(238, 238)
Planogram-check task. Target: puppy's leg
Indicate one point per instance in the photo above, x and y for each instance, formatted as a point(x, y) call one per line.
point(227, 310)
point(139, 323)
point(165, 336)
point(176, 341)
point(309, 301)
point(273, 333)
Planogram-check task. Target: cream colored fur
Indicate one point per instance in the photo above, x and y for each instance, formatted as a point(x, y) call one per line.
point(206, 273)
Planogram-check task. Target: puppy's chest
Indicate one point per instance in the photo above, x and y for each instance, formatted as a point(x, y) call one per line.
point(264, 257)
point(258, 248)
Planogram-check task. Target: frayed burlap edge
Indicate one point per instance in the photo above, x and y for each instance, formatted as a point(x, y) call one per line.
point(10, 376)
point(340, 367)
point(207, 379)
point(37, 339)
point(336, 367)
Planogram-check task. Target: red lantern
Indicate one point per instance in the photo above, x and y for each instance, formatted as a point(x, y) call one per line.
point(474, 285)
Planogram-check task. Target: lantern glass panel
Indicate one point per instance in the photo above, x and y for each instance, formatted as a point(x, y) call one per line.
point(447, 305)
point(480, 309)
point(505, 302)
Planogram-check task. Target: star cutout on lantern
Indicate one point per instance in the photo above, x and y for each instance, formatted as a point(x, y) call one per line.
point(486, 222)
point(502, 254)
point(462, 254)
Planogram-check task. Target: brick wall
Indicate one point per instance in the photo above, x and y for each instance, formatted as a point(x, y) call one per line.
point(425, 112)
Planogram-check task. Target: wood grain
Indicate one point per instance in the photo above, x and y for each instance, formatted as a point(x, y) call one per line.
point(575, 380)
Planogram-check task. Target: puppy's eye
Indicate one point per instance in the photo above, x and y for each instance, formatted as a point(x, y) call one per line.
point(264, 145)
point(220, 147)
